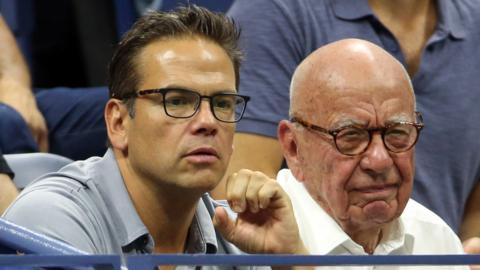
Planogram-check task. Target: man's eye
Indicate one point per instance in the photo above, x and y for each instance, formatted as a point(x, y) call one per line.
point(399, 132)
point(351, 134)
point(224, 103)
point(178, 101)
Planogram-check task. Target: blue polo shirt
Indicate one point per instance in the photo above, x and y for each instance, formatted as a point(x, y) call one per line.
point(86, 205)
point(278, 34)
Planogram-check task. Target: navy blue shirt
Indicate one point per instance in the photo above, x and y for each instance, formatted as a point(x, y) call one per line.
point(278, 34)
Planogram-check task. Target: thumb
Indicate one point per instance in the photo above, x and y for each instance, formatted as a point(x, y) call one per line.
point(472, 245)
point(224, 224)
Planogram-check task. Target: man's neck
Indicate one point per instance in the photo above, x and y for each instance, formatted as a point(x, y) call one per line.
point(166, 212)
point(368, 239)
point(412, 22)
point(401, 11)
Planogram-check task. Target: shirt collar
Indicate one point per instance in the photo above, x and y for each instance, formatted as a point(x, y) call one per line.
point(313, 222)
point(129, 227)
point(202, 237)
point(351, 10)
point(449, 17)
point(132, 233)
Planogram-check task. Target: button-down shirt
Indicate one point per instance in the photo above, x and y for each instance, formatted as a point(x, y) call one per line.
point(278, 34)
point(416, 231)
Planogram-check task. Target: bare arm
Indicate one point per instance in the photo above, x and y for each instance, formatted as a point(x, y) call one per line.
point(470, 229)
point(8, 192)
point(253, 152)
point(15, 86)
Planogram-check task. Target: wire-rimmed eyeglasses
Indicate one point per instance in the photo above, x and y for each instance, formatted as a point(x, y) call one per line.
point(183, 103)
point(354, 140)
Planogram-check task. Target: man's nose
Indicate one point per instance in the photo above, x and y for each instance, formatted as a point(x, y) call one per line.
point(376, 158)
point(204, 120)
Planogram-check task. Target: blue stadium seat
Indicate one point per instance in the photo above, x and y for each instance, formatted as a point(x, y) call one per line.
point(28, 167)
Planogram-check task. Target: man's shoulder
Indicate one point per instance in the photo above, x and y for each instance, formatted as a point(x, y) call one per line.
point(427, 228)
point(64, 205)
point(56, 194)
point(416, 212)
point(73, 182)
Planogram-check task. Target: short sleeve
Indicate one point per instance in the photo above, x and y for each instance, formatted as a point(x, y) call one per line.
point(272, 42)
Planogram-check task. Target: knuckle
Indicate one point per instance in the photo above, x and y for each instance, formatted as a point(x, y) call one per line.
point(259, 177)
point(233, 196)
point(244, 172)
point(251, 194)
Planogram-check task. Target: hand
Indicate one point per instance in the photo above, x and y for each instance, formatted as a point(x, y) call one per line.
point(23, 101)
point(265, 222)
point(472, 246)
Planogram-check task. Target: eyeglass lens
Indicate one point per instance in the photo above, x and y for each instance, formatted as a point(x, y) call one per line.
point(184, 104)
point(397, 138)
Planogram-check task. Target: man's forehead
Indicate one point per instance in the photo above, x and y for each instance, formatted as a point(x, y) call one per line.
point(349, 65)
point(186, 62)
point(335, 91)
point(356, 107)
point(172, 48)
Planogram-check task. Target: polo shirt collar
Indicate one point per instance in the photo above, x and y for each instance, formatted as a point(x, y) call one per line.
point(449, 17)
point(128, 224)
point(351, 10)
point(202, 237)
point(132, 233)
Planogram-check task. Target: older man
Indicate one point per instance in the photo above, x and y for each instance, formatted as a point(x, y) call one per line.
point(349, 146)
point(436, 41)
point(170, 121)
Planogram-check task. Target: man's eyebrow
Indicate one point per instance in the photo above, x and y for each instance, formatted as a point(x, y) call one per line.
point(352, 122)
point(176, 86)
point(222, 91)
point(399, 118)
point(349, 122)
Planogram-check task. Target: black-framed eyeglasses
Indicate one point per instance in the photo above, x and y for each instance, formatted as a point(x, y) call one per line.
point(354, 140)
point(183, 103)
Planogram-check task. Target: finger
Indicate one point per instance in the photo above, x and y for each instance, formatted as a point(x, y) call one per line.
point(236, 187)
point(272, 195)
point(472, 245)
point(223, 224)
point(257, 180)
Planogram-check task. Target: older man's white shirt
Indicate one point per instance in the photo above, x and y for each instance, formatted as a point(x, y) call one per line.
point(417, 231)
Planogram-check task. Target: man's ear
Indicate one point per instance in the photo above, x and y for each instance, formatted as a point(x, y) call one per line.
point(117, 120)
point(288, 142)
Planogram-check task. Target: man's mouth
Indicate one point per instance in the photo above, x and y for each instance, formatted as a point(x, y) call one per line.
point(378, 191)
point(202, 155)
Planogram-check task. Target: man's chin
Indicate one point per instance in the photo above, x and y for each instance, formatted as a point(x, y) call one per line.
point(372, 215)
point(204, 180)
point(379, 211)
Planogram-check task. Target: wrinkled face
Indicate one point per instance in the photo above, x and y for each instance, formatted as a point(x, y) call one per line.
point(188, 153)
point(364, 191)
